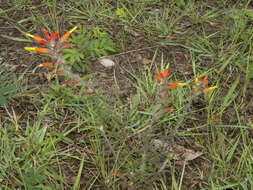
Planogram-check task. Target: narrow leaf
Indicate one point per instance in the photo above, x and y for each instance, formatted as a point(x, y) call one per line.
point(230, 95)
point(75, 187)
point(16, 38)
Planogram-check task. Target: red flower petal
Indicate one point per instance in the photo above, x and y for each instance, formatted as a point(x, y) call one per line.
point(42, 50)
point(173, 85)
point(52, 36)
point(37, 38)
point(64, 83)
point(66, 35)
point(165, 96)
point(165, 73)
point(205, 81)
point(56, 34)
point(38, 50)
point(58, 72)
point(66, 45)
point(46, 34)
point(165, 110)
point(46, 64)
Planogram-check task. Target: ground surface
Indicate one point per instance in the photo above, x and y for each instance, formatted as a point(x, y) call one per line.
point(73, 137)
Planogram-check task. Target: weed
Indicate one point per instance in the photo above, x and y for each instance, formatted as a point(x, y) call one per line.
point(88, 46)
point(8, 88)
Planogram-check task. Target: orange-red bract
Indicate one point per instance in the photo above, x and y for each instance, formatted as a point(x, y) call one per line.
point(47, 64)
point(162, 75)
point(38, 50)
point(66, 35)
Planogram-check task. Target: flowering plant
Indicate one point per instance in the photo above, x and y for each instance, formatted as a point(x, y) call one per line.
point(53, 48)
point(199, 87)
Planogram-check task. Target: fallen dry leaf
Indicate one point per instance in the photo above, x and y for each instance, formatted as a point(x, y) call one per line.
point(160, 144)
point(59, 73)
point(164, 111)
point(48, 76)
point(114, 173)
point(88, 91)
point(127, 29)
point(41, 76)
point(213, 23)
point(146, 61)
point(181, 153)
point(104, 75)
point(15, 182)
point(138, 57)
point(180, 162)
point(66, 83)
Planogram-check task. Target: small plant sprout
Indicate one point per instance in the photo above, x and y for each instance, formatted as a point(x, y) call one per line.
point(120, 13)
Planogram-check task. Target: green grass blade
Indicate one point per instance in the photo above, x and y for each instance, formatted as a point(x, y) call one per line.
point(16, 38)
point(75, 187)
point(231, 95)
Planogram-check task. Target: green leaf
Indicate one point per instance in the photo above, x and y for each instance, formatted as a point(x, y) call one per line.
point(7, 89)
point(232, 151)
point(78, 177)
point(16, 38)
point(180, 3)
point(109, 48)
point(2, 100)
point(249, 13)
point(120, 13)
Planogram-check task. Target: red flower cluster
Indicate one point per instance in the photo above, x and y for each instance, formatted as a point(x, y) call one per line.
point(198, 85)
point(52, 48)
point(162, 75)
point(201, 83)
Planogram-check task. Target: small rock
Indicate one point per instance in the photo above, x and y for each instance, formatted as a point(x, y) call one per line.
point(107, 62)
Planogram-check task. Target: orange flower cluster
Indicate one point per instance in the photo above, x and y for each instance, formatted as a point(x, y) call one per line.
point(162, 75)
point(52, 48)
point(175, 84)
point(199, 83)
point(51, 40)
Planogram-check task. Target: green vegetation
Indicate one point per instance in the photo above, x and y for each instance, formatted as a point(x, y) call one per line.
point(124, 131)
point(88, 45)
